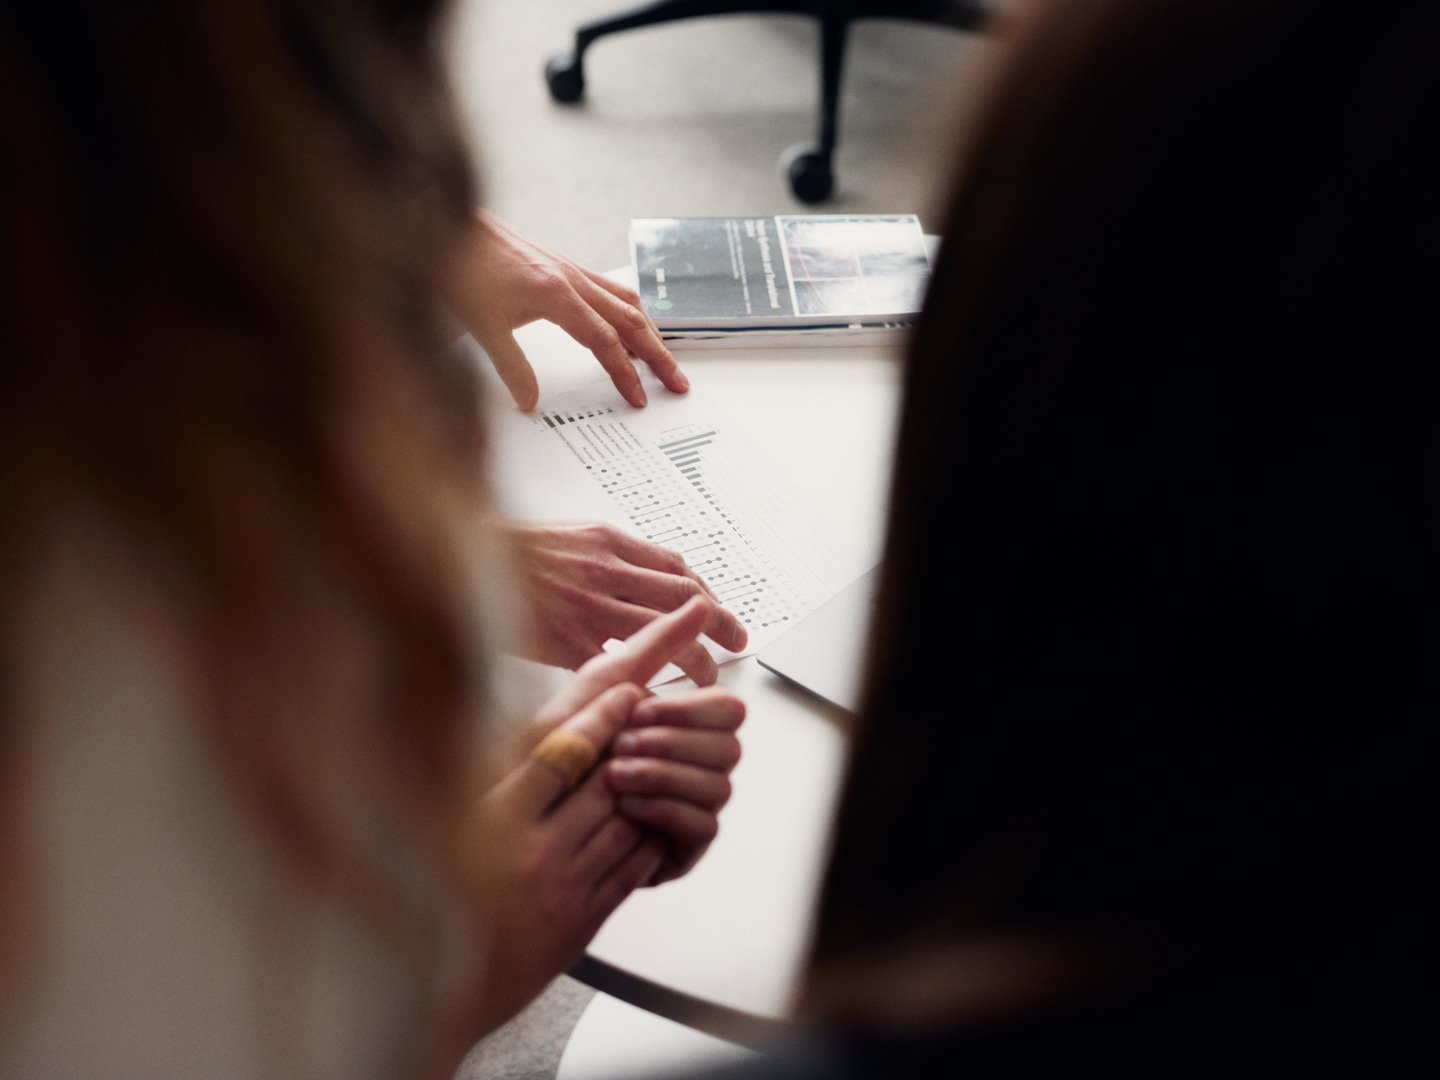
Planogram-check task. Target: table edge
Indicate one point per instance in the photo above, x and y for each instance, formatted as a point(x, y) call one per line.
point(722, 1021)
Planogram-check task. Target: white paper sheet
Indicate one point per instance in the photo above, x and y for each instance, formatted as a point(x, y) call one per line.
point(681, 474)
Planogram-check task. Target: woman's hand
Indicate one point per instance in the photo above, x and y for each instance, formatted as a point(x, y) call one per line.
point(502, 281)
point(671, 770)
point(554, 863)
point(588, 583)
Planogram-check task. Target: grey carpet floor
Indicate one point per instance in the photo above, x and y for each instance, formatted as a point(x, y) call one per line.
point(687, 119)
point(529, 1047)
point(690, 118)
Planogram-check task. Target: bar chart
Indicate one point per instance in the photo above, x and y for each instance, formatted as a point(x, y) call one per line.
point(697, 486)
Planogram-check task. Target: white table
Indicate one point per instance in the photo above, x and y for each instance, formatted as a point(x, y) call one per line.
point(735, 930)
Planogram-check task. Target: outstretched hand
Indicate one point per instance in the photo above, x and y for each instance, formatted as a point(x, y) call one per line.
point(556, 862)
point(587, 583)
point(502, 281)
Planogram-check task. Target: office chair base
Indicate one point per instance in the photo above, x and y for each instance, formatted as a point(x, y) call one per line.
point(809, 168)
point(811, 176)
point(565, 77)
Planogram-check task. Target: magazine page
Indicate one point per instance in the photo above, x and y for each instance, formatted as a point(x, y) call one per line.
point(693, 271)
point(861, 265)
point(786, 271)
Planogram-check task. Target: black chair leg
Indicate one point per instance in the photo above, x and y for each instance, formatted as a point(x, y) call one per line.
point(812, 173)
point(565, 72)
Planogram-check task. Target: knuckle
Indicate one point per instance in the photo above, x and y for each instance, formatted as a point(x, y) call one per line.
point(647, 744)
point(604, 536)
point(551, 281)
point(593, 570)
point(682, 589)
point(647, 772)
point(634, 316)
point(619, 700)
point(607, 337)
point(593, 530)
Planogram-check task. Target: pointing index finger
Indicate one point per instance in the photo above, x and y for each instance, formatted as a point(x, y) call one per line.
point(636, 661)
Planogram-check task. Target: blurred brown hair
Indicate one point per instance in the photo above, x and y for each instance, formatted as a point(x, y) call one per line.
point(220, 230)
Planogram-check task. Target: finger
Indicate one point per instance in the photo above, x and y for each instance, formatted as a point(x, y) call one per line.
point(606, 617)
point(672, 868)
point(638, 594)
point(718, 750)
point(586, 325)
point(617, 289)
point(609, 618)
point(652, 556)
point(665, 592)
point(637, 332)
point(636, 661)
point(533, 786)
point(698, 664)
point(579, 816)
point(615, 564)
point(709, 788)
point(514, 369)
point(712, 709)
point(689, 828)
point(606, 847)
point(621, 292)
point(638, 869)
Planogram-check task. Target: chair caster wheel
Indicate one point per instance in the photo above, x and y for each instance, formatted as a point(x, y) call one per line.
point(565, 77)
point(811, 178)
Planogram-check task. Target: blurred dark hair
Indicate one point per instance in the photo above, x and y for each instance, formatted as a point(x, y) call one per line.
point(1156, 653)
point(220, 230)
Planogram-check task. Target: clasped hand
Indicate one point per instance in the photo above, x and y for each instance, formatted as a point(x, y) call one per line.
point(557, 861)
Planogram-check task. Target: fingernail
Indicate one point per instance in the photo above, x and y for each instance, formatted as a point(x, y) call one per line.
point(640, 398)
point(627, 743)
point(684, 382)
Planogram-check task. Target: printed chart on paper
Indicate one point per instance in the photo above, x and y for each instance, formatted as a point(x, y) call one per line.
point(681, 476)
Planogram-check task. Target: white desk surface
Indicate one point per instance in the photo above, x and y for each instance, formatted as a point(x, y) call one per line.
point(735, 930)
